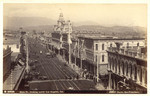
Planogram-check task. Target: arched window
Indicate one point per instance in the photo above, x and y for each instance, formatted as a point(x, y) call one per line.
point(131, 70)
point(145, 77)
point(135, 70)
point(141, 74)
point(102, 46)
point(113, 64)
point(116, 65)
point(119, 66)
point(110, 63)
point(126, 69)
point(102, 58)
point(123, 67)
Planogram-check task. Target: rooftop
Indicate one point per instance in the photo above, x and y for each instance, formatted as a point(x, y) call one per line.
point(108, 38)
point(11, 40)
point(6, 51)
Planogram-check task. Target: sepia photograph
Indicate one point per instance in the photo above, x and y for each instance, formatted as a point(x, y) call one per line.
point(57, 48)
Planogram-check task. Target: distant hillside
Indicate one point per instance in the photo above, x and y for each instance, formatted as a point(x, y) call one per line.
point(17, 22)
point(45, 24)
point(41, 28)
point(84, 23)
point(119, 31)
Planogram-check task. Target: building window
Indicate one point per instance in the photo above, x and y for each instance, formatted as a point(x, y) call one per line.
point(123, 68)
point(110, 63)
point(102, 58)
point(96, 47)
point(131, 70)
point(102, 46)
point(141, 75)
point(127, 45)
point(137, 44)
point(110, 45)
point(17, 46)
point(127, 70)
point(119, 66)
point(135, 72)
point(116, 65)
point(146, 77)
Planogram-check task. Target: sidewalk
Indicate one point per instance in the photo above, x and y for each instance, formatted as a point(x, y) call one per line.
point(14, 78)
point(99, 86)
point(80, 71)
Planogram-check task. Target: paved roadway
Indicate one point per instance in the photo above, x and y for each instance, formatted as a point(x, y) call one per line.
point(48, 66)
point(62, 85)
point(60, 77)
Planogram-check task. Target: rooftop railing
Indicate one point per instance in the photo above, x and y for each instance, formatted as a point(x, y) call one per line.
point(128, 52)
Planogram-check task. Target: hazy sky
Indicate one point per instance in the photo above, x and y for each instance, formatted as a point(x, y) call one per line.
point(103, 14)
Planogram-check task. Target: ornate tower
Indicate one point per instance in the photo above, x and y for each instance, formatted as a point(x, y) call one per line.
point(61, 20)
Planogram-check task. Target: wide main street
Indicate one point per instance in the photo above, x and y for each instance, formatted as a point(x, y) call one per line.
point(58, 75)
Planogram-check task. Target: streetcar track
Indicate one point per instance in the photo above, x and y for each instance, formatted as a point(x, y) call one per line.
point(70, 84)
point(60, 69)
point(53, 70)
point(52, 73)
point(61, 85)
point(76, 85)
point(65, 85)
point(54, 81)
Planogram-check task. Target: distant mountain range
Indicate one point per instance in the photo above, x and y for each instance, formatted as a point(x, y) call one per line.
point(118, 31)
point(45, 24)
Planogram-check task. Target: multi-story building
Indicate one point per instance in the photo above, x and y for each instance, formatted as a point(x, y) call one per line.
point(61, 39)
point(11, 49)
point(127, 68)
point(6, 61)
point(14, 61)
point(87, 52)
point(95, 54)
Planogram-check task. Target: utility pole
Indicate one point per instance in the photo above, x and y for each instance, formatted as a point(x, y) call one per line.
point(81, 53)
point(27, 56)
point(69, 49)
point(69, 40)
point(97, 66)
point(75, 52)
point(78, 48)
point(81, 62)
